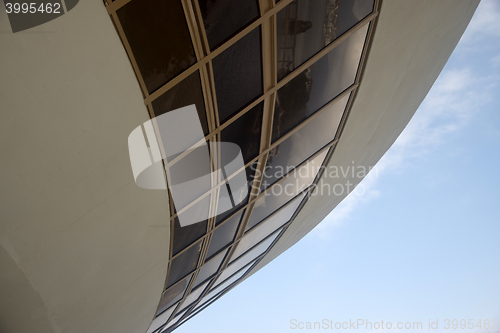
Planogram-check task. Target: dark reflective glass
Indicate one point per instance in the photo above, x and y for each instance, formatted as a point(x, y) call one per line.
point(159, 38)
point(195, 165)
point(224, 18)
point(172, 295)
point(193, 296)
point(296, 182)
point(307, 26)
point(187, 92)
point(238, 75)
point(184, 264)
point(224, 234)
point(317, 85)
point(210, 268)
point(303, 143)
point(250, 173)
point(185, 236)
point(245, 132)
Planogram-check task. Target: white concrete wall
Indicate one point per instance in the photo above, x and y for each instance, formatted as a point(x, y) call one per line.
point(412, 43)
point(82, 248)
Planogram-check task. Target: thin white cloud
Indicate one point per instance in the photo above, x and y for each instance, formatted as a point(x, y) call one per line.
point(456, 97)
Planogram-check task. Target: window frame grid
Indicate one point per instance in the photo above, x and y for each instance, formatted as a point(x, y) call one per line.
point(267, 23)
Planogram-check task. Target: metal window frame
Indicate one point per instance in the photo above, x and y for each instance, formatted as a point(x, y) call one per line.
point(267, 22)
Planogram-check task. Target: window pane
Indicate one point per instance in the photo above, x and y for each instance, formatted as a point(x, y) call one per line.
point(279, 218)
point(224, 234)
point(245, 259)
point(303, 143)
point(245, 132)
point(173, 321)
point(193, 297)
point(173, 294)
point(317, 85)
point(187, 92)
point(159, 38)
point(210, 268)
point(250, 173)
point(161, 319)
point(281, 193)
point(238, 75)
point(306, 27)
point(224, 18)
point(226, 284)
point(184, 264)
point(185, 236)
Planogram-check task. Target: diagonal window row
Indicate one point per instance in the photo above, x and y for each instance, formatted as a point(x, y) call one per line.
point(213, 54)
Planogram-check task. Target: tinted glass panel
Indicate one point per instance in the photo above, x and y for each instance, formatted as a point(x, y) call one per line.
point(281, 193)
point(246, 258)
point(224, 234)
point(173, 294)
point(307, 26)
point(250, 172)
point(317, 85)
point(227, 283)
point(187, 92)
point(159, 37)
point(278, 218)
point(303, 143)
point(245, 132)
point(224, 18)
point(184, 264)
point(193, 296)
point(173, 322)
point(238, 75)
point(210, 268)
point(185, 236)
point(161, 319)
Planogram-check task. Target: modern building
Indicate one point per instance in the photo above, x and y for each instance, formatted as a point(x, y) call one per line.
point(301, 86)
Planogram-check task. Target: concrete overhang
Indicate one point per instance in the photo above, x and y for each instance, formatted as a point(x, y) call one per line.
point(82, 247)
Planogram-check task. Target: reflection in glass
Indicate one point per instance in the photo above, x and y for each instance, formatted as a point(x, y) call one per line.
point(173, 294)
point(305, 142)
point(224, 234)
point(250, 173)
point(210, 268)
point(281, 193)
point(159, 38)
point(185, 93)
point(185, 236)
point(224, 18)
point(282, 216)
point(317, 85)
point(226, 284)
point(173, 321)
point(245, 132)
point(161, 319)
point(307, 26)
point(245, 259)
point(193, 297)
point(238, 75)
point(184, 264)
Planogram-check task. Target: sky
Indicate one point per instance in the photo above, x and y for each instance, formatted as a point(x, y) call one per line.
point(421, 244)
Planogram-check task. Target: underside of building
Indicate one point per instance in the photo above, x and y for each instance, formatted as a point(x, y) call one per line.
point(300, 86)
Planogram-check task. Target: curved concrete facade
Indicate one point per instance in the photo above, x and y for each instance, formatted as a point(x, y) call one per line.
point(82, 247)
point(413, 41)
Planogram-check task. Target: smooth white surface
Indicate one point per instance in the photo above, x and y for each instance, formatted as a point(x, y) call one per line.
point(82, 247)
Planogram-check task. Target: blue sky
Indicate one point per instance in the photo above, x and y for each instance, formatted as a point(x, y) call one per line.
point(422, 243)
